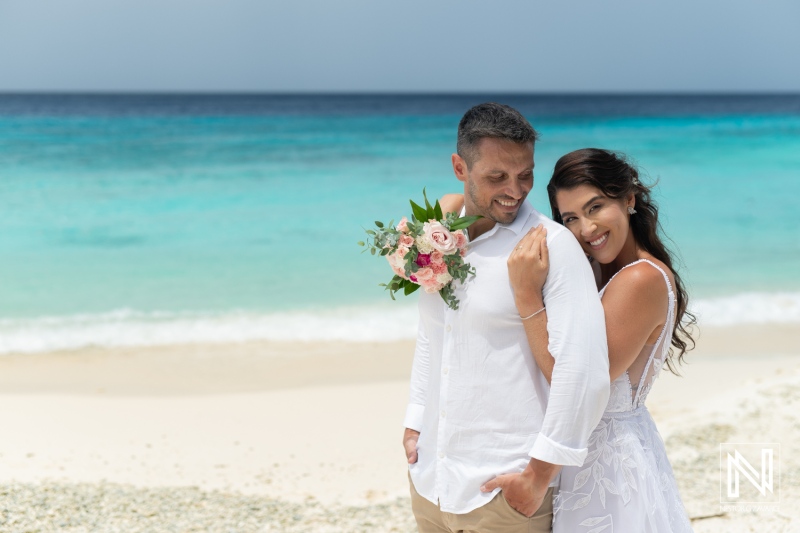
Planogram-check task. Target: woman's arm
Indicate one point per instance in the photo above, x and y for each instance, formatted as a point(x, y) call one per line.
point(536, 331)
point(634, 308)
point(633, 304)
point(527, 270)
point(452, 203)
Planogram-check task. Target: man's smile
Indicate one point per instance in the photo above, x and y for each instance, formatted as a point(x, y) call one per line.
point(508, 203)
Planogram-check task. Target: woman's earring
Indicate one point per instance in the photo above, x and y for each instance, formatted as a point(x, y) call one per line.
point(631, 210)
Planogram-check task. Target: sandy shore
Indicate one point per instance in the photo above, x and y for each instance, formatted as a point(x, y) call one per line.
point(299, 437)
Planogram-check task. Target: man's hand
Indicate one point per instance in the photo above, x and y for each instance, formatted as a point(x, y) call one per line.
point(410, 438)
point(525, 491)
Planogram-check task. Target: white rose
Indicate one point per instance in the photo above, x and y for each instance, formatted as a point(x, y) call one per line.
point(423, 245)
point(439, 237)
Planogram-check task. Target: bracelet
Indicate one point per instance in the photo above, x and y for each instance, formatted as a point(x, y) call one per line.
point(533, 315)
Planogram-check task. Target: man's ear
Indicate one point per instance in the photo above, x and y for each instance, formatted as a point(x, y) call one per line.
point(459, 167)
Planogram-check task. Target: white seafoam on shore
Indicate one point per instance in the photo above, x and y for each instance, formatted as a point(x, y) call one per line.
point(378, 323)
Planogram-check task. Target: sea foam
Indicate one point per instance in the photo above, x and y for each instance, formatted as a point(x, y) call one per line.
point(748, 308)
point(380, 323)
point(126, 328)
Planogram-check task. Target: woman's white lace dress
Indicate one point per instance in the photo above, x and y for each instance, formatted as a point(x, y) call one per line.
point(626, 484)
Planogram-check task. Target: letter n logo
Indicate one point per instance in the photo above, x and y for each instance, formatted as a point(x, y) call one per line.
point(748, 471)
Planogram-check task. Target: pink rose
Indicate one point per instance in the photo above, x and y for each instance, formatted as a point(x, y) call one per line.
point(431, 286)
point(401, 251)
point(439, 268)
point(397, 262)
point(406, 240)
point(423, 260)
point(461, 239)
point(403, 225)
point(439, 237)
point(437, 256)
point(424, 274)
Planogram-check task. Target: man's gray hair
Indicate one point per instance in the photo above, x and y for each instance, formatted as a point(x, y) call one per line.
point(495, 121)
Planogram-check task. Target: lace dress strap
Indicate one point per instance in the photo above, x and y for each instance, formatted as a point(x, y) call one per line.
point(658, 355)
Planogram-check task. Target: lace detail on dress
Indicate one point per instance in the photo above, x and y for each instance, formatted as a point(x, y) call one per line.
point(621, 394)
point(626, 483)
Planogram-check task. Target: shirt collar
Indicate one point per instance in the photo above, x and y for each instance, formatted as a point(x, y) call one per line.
point(516, 226)
point(524, 213)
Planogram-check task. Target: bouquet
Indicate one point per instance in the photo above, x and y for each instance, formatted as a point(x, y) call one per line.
point(426, 251)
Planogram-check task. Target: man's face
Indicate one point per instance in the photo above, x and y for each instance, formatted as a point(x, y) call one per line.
point(499, 181)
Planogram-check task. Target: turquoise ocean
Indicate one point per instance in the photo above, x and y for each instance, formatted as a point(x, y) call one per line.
point(132, 220)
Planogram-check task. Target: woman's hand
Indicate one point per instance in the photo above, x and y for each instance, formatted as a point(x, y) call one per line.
point(528, 265)
point(452, 203)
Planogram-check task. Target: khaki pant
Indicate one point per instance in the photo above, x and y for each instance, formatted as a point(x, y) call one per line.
point(497, 516)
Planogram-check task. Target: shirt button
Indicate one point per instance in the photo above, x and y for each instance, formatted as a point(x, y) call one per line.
point(449, 328)
point(444, 413)
point(445, 370)
point(441, 455)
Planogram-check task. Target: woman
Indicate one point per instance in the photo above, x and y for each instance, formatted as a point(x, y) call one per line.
point(626, 482)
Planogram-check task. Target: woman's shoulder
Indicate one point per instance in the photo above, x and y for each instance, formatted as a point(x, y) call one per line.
point(653, 265)
point(643, 279)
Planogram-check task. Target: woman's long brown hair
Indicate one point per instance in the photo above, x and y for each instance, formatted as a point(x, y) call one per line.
point(616, 178)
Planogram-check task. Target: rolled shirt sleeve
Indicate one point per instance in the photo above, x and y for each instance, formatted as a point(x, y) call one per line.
point(580, 383)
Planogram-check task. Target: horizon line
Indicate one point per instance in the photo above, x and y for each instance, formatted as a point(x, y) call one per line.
point(95, 92)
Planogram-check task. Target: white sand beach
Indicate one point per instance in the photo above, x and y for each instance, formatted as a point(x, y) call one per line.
point(306, 437)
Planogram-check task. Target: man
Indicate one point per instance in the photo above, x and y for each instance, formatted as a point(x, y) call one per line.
point(481, 414)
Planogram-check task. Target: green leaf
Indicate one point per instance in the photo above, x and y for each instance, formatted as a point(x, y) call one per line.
point(419, 213)
point(437, 211)
point(379, 223)
point(372, 251)
point(464, 222)
point(397, 283)
point(361, 243)
point(410, 287)
point(370, 232)
point(431, 212)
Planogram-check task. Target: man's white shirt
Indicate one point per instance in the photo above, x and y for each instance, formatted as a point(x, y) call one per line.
point(478, 399)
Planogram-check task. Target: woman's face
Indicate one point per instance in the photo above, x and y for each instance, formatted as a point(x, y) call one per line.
point(601, 224)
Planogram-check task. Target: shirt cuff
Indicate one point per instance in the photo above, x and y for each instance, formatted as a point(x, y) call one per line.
point(414, 415)
point(552, 452)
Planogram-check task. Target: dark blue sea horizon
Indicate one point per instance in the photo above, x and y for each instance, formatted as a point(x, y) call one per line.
point(551, 105)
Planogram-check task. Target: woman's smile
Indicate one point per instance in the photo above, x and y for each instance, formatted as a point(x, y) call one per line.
point(599, 242)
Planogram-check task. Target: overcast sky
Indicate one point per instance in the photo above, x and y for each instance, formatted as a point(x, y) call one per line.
point(400, 46)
